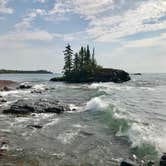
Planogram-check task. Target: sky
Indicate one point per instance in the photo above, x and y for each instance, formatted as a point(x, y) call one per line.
point(126, 34)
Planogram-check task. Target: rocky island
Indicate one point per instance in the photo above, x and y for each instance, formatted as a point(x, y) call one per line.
point(83, 68)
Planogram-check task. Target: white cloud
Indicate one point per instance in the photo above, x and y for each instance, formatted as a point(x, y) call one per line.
point(39, 35)
point(28, 19)
point(3, 7)
point(41, 1)
point(132, 21)
point(147, 42)
point(112, 19)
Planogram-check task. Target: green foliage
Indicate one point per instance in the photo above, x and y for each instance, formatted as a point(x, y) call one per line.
point(82, 67)
point(68, 53)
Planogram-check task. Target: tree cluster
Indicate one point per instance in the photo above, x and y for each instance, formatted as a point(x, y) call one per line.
point(81, 66)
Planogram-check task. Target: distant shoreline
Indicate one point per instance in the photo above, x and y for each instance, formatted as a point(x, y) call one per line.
point(4, 71)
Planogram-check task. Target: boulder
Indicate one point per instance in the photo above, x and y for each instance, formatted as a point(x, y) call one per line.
point(24, 86)
point(38, 106)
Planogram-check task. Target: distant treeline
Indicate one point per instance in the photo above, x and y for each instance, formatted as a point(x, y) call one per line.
point(4, 71)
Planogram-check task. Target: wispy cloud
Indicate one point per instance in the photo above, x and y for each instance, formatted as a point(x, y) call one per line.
point(4, 7)
point(110, 19)
point(41, 1)
point(130, 22)
point(28, 19)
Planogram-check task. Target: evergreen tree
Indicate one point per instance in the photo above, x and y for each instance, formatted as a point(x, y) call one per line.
point(94, 64)
point(76, 62)
point(68, 53)
point(81, 59)
point(82, 68)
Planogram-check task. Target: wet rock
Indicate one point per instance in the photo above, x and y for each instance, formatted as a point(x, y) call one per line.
point(163, 160)
point(3, 100)
point(4, 148)
point(24, 86)
point(35, 126)
point(5, 84)
point(5, 88)
point(127, 163)
point(150, 163)
point(36, 91)
point(39, 106)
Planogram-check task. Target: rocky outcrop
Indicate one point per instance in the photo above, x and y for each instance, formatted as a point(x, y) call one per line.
point(38, 106)
point(5, 85)
point(111, 75)
point(102, 75)
point(24, 85)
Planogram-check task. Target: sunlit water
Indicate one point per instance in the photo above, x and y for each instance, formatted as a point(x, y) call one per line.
point(112, 122)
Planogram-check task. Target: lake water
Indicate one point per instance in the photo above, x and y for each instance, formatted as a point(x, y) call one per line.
point(112, 122)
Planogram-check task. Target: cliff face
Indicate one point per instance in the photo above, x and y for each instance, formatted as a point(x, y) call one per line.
point(102, 75)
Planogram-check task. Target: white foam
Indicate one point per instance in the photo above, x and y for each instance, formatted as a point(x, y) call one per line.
point(96, 104)
point(53, 122)
point(147, 88)
point(40, 87)
point(67, 137)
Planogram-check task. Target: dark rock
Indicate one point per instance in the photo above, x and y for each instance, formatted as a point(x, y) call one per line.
point(137, 74)
point(36, 91)
point(57, 79)
point(38, 106)
point(3, 100)
point(3, 148)
point(102, 75)
point(127, 163)
point(150, 163)
point(24, 86)
point(163, 160)
point(74, 109)
point(111, 75)
point(35, 126)
point(5, 88)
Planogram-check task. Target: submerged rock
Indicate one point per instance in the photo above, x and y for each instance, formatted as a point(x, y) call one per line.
point(127, 163)
point(35, 126)
point(38, 106)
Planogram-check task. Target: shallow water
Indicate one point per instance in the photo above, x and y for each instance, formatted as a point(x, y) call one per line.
point(113, 122)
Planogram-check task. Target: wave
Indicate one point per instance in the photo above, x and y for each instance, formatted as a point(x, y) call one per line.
point(142, 137)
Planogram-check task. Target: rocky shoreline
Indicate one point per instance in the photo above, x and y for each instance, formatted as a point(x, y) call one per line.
point(25, 107)
point(7, 85)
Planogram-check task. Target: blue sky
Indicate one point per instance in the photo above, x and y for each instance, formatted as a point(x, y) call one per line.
point(127, 34)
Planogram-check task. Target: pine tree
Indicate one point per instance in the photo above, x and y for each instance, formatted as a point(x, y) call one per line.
point(81, 59)
point(76, 62)
point(94, 64)
point(68, 53)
